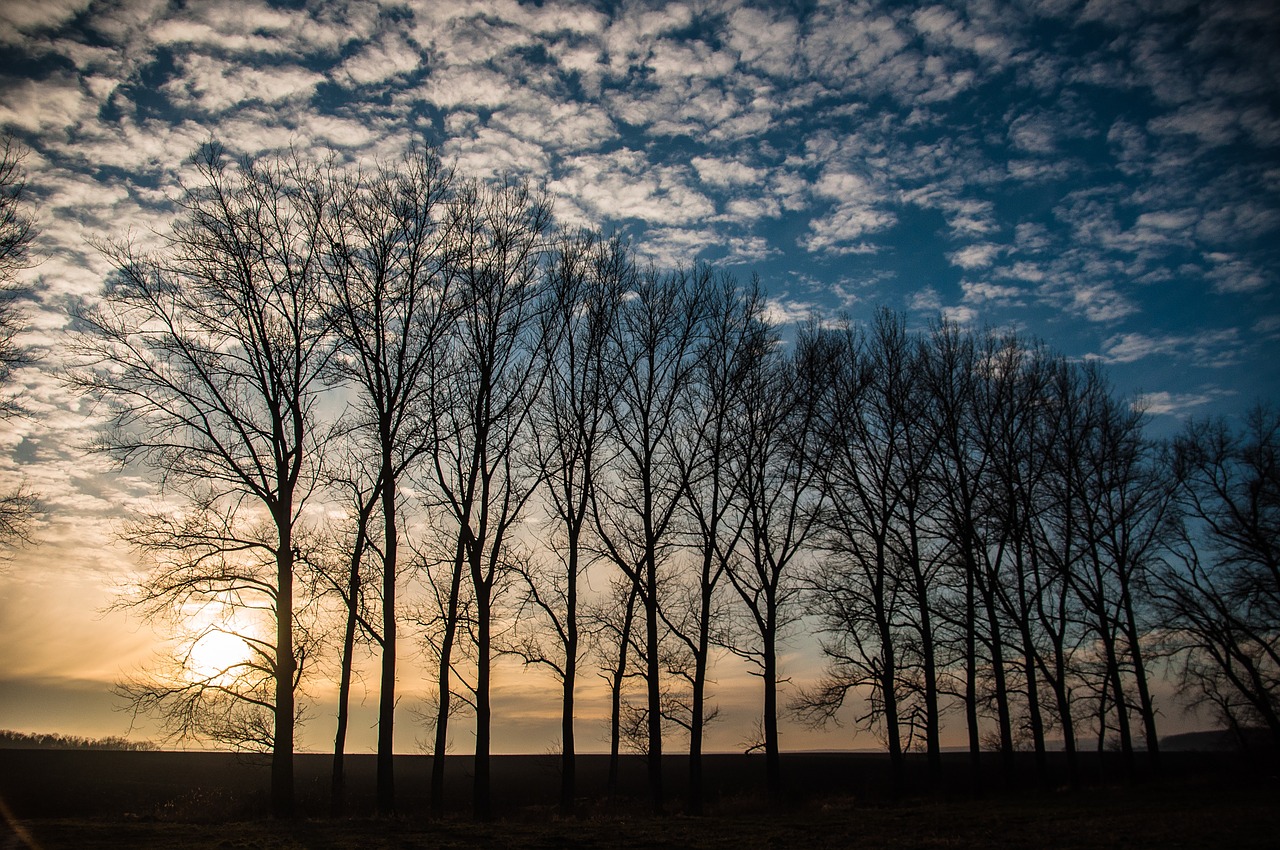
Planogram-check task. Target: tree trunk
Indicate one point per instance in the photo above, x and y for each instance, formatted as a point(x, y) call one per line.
point(568, 756)
point(386, 789)
point(1145, 703)
point(615, 687)
point(1003, 719)
point(772, 756)
point(653, 670)
point(337, 782)
point(971, 666)
point(442, 709)
point(282, 744)
point(481, 809)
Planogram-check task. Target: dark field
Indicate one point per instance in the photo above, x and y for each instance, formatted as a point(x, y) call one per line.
point(89, 799)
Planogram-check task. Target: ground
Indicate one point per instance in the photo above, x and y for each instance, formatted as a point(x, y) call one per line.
point(1194, 802)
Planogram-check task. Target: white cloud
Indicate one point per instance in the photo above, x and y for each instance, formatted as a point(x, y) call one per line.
point(839, 231)
point(975, 256)
point(19, 19)
point(491, 151)
point(562, 127)
point(978, 292)
point(1214, 124)
point(1035, 133)
point(215, 85)
point(726, 172)
point(1216, 348)
point(1098, 301)
point(764, 41)
point(625, 185)
point(468, 88)
point(55, 104)
point(380, 61)
point(1231, 275)
point(926, 300)
point(249, 27)
point(1165, 403)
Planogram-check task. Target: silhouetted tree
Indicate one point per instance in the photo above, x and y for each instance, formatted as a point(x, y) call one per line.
point(1219, 593)
point(611, 624)
point(1017, 468)
point(778, 398)
point(17, 229)
point(488, 375)
point(589, 277)
point(388, 301)
point(861, 586)
point(209, 355)
point(1056, 553)
point(710, 457)
point(348, 580)
point(951, 375)
point(634, 509)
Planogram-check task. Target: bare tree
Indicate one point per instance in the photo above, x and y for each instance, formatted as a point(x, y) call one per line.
point(1121, 503)
point(634, 510)
point(589, 277)
point(17, 229)
point(389, 307)
point(1056, 553)
point(611, 628)
point(487, 377)
point(951, 375)
point(1017, 469)
point(711, 467)
point(210, 355)
point(1219, 593)
point(860, 588)
point(348, 579)
point(778, 401)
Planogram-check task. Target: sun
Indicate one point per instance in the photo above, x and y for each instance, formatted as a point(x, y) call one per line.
point(215, 654)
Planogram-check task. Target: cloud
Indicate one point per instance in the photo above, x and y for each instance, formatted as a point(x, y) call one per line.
point(1216, 348)
point(20, 19)
point(249, 27)
point(1213, 124)
point(765, 40)
point(1034, 133)
point(925, 300)
point(978, 292)
point(451, 88)
point(1166, 403)
point(625, 185)
point(214, 85)
point(1098, 301)
point(57, 103)
point(975, 256)
point(1231, 275)
point(561, 127)
point(379, 61)
point(855, 214)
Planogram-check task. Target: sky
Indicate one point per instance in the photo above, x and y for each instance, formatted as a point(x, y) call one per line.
point(1101, 175)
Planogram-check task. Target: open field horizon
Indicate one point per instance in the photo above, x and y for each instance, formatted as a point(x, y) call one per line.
point(84, 799)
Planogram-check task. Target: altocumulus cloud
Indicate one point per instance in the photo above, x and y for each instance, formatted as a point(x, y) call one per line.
point(1102, 174)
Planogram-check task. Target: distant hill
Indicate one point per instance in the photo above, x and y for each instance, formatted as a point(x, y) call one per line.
point(1214, 741)
point(11, 740)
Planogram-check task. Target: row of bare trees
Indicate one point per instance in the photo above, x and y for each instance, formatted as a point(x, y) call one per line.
point(401, 396)
point(996, 533)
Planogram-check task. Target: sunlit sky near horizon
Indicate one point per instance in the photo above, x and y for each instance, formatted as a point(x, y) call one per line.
point(1102, 175)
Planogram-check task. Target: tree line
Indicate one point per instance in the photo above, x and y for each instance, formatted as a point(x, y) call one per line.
point(352, 383)
point(11, 740)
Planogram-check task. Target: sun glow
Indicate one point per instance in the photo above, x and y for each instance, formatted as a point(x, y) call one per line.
point(217, 654)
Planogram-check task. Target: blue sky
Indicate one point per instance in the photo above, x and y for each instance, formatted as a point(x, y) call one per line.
point(1101, 175)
